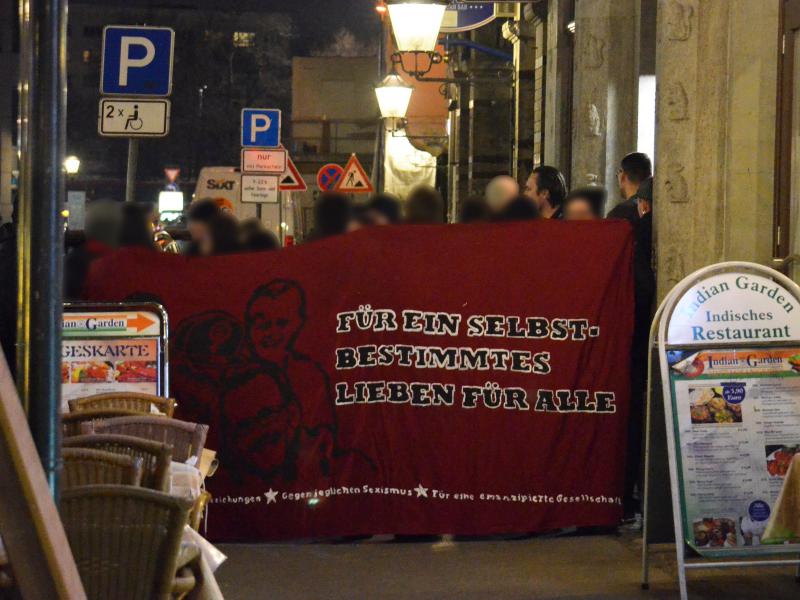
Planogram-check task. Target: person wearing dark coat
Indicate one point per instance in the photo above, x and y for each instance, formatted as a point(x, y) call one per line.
point(633, 171)
point(644, 296)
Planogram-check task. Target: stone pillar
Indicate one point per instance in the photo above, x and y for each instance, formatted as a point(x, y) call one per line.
point(606, 88)
point(558, 87)
point(716, 64)
point(522, 33)
point(490, 112)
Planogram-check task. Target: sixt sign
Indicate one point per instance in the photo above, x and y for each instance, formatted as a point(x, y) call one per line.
point(137, 61)
point(220, 184)
point(466, 16)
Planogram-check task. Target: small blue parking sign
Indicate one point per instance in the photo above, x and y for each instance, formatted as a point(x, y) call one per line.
point(137, 61)
point(261, 128)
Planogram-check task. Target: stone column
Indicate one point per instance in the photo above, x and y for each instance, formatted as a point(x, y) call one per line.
point(716, 64)
point(606, 87)
point(558, 87)
point(522, 33)
point(491, 130)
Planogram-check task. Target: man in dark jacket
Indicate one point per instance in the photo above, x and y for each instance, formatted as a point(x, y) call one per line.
point(547, 189)
point(634, 170)
point(644, 294)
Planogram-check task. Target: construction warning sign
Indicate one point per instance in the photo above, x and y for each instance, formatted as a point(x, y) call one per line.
point(354, 180)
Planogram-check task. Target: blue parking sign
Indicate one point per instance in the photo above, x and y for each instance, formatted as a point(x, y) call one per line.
point(261, 128)
point(137, 61)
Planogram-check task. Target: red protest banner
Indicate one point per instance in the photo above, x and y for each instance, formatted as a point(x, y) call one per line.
point(422, 379)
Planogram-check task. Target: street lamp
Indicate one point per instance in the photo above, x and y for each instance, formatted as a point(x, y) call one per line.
point(416, 23)
point(393, 94)
point(72, 165)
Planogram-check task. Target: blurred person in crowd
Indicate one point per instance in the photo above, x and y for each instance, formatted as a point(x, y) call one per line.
point(255, 237)
point(102, 230)
point(644, 295)
point(585, 204)
point(384, 209)
point(223, 236)
point(473, 209)
point(634, 170)
point(546, 188)
point(500, 192)
point(198, 221)
point(136, 227)
point(425, 205)
point(519, 209)
point(361, 217)
point(333, 215)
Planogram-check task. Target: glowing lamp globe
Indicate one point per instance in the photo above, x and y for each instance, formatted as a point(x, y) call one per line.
point(416, 24)
point(72, 165)
point(393, 94)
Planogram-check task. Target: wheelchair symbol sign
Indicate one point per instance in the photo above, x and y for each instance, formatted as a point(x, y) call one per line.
point(134, 117)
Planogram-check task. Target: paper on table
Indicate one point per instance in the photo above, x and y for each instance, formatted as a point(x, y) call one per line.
point(208, 462)
point(784, 523)
point(185, 481)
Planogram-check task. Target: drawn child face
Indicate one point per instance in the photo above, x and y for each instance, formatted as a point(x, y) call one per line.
point(273, 322)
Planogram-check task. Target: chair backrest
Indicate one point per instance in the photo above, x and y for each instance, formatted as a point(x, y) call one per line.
point(86, 466)
point(187, 439)
point(143, 404)
point(125, 540)
point(74, 423)
point(156, 456)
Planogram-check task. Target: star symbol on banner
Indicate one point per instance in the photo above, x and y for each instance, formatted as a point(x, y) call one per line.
point(272, 496)
point(422, 492)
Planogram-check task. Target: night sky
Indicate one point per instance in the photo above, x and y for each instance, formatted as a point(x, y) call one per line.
point(316, 20)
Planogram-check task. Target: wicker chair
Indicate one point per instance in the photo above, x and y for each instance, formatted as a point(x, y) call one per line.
point(138, 403)
point(156, 457)
point(187, 439)
point(76, 423)
point(126, 541)
point(85, 466)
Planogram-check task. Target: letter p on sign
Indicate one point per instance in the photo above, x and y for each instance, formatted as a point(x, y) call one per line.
point(126, 61)
point(261, 128)
point(259, 124)
point(137, 61)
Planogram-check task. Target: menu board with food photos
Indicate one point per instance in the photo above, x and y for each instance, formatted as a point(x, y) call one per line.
point(114, 349)
point(737, 426)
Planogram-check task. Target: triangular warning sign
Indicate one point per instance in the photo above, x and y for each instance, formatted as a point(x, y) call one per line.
point(354, 180)
point(291, 180)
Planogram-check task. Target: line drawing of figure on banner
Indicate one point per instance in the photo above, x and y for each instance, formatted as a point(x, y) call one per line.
point(289, 432)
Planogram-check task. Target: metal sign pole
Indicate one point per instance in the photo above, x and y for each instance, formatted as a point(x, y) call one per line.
point(130, 177)
point(44, 29)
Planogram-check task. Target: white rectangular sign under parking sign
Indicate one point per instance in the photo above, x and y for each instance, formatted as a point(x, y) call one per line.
point(260, 189)
point(133, 117)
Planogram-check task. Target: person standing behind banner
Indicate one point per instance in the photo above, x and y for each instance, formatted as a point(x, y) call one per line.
point(519, 209)
point(634, 170)
point(500, 192)
point(333, 215)
point(384, 209)
point(198, 220)
point(585, 204)
point(425, 206)
point(102, 231)
point(547, 189)
point(644, 295)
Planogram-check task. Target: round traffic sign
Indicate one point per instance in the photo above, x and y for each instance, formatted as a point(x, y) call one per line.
point(329, 176)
